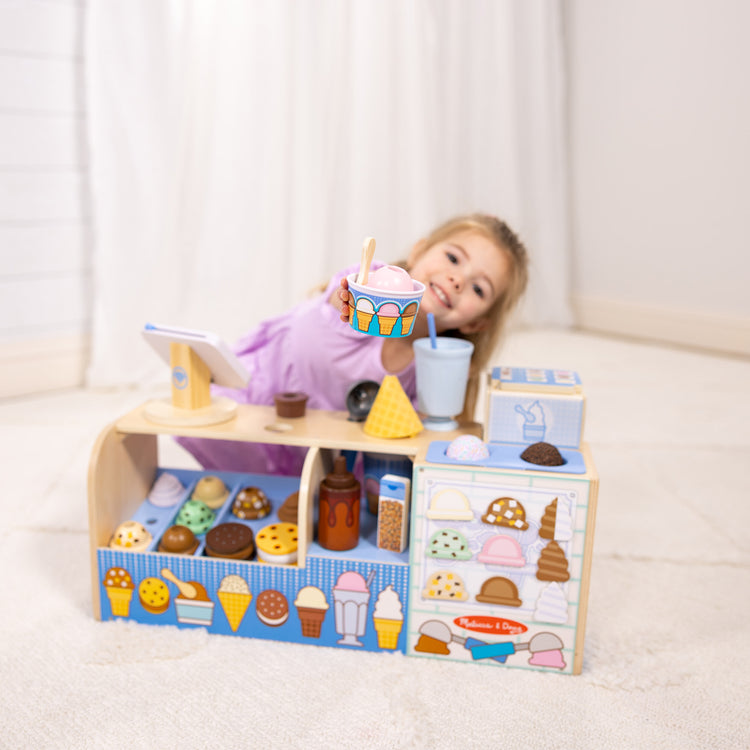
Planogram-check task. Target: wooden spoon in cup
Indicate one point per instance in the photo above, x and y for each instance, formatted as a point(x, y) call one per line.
point(368, 251)
point(186, 589)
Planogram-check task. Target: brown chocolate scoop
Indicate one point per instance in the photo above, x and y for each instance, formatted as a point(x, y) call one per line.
point(543, 454)
point(178, 540)
point(288, 511)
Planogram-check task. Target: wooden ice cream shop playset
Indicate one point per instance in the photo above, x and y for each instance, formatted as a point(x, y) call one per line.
point(463, 542)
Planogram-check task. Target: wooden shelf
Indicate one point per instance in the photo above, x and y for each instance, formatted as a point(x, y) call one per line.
point(318, 428)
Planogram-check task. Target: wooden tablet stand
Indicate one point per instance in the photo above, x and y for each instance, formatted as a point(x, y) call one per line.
point(191, 404)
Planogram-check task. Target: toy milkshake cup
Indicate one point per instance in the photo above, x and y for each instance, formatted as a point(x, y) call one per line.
point(351, 596)
point(442, 375)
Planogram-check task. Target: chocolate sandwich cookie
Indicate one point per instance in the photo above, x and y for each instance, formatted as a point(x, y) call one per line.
point(272, 608)
point(230, 540)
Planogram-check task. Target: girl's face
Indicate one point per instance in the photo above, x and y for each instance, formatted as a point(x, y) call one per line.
point(464, 275)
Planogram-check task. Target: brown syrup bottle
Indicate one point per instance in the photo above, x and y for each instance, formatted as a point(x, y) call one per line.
point(338, 522)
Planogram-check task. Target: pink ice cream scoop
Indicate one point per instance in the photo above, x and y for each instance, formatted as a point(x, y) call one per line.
point(391, 279)
point(546, 651)
point(351, 581)
point(548, 659)
point(389, 310)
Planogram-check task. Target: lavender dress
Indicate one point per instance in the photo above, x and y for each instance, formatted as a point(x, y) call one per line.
point(305, 349)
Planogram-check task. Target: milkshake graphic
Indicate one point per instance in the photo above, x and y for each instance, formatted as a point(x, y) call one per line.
point(534, 426)
point(351, 595)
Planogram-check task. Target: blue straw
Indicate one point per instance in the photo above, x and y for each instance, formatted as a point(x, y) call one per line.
point(431, 329)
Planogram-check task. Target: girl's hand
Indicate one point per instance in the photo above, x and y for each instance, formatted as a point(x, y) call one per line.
point(340, 300)
point(343, 296)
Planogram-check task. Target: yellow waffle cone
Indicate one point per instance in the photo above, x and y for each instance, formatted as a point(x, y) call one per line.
point(388, 631)
point(386, 325)
point(119, 600)
point(235, 605)
point(392, 415)
point(406, 321)
point(363, 320)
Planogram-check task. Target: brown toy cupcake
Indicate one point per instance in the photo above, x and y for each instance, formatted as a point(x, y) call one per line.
point(178, 540)
point(290, 404)
point(230, 540)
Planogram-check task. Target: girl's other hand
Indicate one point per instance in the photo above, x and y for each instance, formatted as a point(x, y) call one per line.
point(343, 295)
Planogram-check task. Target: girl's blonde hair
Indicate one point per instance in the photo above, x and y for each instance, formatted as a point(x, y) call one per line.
point(486, 340)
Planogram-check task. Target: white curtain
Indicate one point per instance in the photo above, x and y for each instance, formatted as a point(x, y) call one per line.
point(240, 151)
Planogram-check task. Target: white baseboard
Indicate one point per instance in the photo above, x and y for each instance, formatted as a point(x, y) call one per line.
point(38, 365)
point(719, 333)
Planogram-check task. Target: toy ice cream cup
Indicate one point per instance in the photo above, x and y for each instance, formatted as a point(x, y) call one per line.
point(387, 305)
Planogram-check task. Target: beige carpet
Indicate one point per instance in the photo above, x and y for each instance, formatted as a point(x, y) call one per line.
point(667, 659)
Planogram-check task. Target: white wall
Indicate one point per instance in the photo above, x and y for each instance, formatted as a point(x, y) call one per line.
point(660, 178)
point(660, 168)
point(44, 262)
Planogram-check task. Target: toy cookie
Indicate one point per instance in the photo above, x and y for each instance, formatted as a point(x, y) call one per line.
point(277, 543)
point(233, 541)
point(153, 595)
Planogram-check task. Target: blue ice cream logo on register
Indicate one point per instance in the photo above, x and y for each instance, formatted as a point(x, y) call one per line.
point(534, 424)
point(179, 378)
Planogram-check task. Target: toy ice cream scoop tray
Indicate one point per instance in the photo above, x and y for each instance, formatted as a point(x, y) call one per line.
point(476, 545)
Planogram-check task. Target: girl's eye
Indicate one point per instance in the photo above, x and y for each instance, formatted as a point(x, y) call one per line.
point(451, 257)
point(479, 291)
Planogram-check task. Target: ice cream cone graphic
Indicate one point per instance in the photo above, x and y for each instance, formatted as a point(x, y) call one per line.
point(311, 621)
point(365, 311)
point(235, 598)
point(388, 617)
point(407, 318)
point(119, 601)
point(386, 325)
point(388, 631)
point(119, 586)
point(311, 607)
point(387, 317)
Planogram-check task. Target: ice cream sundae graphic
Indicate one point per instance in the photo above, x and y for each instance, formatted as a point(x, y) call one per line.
point(351, 596)
point(534, 424)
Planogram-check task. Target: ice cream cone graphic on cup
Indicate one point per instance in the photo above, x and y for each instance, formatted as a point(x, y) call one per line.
point(119, 587)
point(365, 311)
point(387, 318)
point(388, 618)
point(407, 317)
point(235, 597)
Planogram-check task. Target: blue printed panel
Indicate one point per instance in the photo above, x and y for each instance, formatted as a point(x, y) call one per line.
point(523, 417)
point(347, 594)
